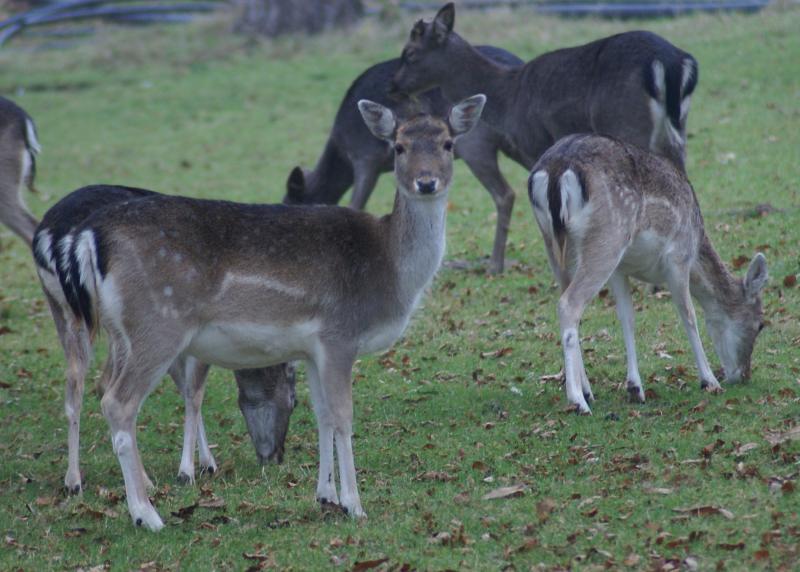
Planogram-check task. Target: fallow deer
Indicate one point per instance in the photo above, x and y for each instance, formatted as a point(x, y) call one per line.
point(609, 210)
point(634, 86)
point(266, 396)
point(18, 148)
point(245, 286)
point(354, 157)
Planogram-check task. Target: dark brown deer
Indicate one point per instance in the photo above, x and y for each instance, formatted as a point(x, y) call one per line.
point(354, 157)
point(266, 395)
point(634, 86)
point(18, 149)
point(609, 210)
point(245, 286)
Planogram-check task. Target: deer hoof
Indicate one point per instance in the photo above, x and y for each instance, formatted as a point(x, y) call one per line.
point(635, 394)
point(588, 396)
point(73, 490)
point(209, 470)
point(715, 389)
point(184, 479)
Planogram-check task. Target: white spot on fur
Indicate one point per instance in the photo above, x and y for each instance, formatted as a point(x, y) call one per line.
point(168, 291)
point(162, 252)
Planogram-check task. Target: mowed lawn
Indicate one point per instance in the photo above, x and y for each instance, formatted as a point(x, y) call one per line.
point(467, 401)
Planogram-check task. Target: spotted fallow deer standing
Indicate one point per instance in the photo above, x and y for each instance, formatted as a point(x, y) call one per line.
point(245, 286)
point(609, 210)
point(18, 148)
point(266, 395)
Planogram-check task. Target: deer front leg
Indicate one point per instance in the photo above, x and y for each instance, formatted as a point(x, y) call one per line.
point(620, 287)
point(326, 481)
point(480, 155)
point(679, 288)
point(189, 376)
point(337, 386)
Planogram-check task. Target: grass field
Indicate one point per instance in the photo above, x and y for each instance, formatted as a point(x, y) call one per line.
point(462, 405)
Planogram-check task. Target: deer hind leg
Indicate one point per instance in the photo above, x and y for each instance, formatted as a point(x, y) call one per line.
point(139, 371)
point(678, 282)
point(593, 267)
point(77, 346)
point(15, 165)
point(189, 376)
point(366, 177)
point(481, 158)
point(620, 287)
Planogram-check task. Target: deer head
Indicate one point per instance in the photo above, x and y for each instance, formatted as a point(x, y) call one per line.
point(423, 145)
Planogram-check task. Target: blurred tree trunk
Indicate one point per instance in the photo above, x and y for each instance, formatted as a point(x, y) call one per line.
point(277, 17)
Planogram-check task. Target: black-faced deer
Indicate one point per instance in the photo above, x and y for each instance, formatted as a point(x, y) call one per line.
point(266, 396)
point(245, 286)
point(354, 157)
point(634, 86)
point(18, 149)
point(609, 210)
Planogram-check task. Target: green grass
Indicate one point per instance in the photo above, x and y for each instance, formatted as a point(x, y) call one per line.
point(196, 111)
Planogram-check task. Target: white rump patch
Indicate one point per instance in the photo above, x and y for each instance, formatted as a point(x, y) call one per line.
point(30, 135)
point(571, 196)
point(44, 246)
point(86, 257)
point(64, 246)
point(541, 206)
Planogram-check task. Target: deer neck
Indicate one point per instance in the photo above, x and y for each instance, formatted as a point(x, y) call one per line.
point(472, 73)
point(714, 287)
point(416, 241)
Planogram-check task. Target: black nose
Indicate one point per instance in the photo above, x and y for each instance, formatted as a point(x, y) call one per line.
point(426, 187)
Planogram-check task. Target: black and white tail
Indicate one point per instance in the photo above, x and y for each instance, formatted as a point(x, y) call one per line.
point(73, 260)
point(670, 86)
point(559, 204)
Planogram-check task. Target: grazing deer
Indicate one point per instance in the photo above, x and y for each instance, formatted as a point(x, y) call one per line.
point(244, 286)
point(634, 86)
point(266, 396)
point(18, 149)
point(609, 210)
point(354, 157)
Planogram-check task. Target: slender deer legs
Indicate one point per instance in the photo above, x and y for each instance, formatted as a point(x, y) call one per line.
point(366, 177)
point(481, 158)
point(190, 376)
point(678, 282)
point(622, 296)
point(326, 482)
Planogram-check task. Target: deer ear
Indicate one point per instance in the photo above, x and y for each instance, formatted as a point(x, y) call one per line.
point(465, 115)
point(756, 277)
point(443, 22)
point(418, 30)
point(295, 187)
point(378, 118)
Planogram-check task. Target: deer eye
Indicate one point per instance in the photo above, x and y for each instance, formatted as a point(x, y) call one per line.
point(448, 145)
point(399, 149)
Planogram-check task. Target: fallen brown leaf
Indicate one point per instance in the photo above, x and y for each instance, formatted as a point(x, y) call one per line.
point(705, 510)
point(505, 492)
point(777, 437)
point(368, 564)
point(790, 281)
